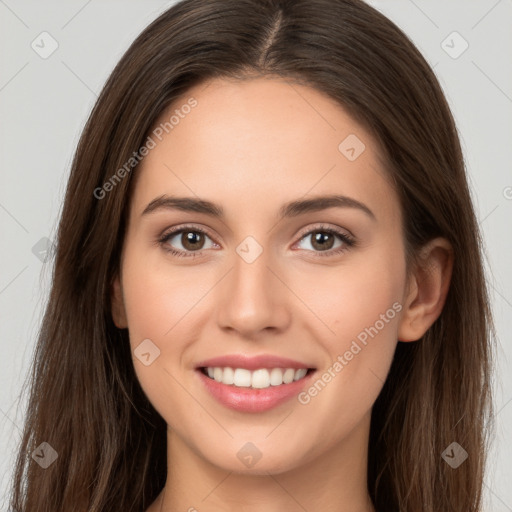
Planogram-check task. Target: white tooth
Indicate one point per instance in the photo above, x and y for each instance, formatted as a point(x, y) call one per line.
point(276, 377)
point(288, 375)
point(227, 377)
point(242, 378)
point(299, 374)
point(260, 379)
point(217, 374)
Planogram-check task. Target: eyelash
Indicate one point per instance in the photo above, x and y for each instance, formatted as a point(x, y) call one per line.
point(347, 240)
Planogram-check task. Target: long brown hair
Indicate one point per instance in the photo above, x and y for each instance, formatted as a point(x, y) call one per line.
point(85, 400)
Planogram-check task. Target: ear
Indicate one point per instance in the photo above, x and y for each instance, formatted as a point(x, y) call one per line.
point(428, 287)
point(117, 304)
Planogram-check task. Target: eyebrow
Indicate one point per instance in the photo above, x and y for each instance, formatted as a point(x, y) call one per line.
point(290, 209)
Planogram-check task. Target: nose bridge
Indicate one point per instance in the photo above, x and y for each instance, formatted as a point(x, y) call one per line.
point(252, 295)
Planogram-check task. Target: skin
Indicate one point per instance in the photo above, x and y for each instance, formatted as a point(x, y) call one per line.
point(251, 146)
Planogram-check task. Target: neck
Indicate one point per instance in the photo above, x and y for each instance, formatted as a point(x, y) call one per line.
point(335, 481)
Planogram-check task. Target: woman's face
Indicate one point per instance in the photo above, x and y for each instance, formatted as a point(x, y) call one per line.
point(278, 282)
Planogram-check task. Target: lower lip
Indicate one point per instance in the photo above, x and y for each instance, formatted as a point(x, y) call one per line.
point(250, 399)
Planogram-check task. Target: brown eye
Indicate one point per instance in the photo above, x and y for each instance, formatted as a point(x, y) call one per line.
point(322, 240)
point(192, 240)
point(186, 241)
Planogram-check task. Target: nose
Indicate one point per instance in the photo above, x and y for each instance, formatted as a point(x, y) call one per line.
point(253, 298)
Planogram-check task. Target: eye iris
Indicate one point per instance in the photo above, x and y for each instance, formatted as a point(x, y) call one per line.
point(194, 240)
point(190, 239)
point(320, 237)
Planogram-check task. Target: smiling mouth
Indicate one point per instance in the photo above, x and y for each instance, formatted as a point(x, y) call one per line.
point(257, 379)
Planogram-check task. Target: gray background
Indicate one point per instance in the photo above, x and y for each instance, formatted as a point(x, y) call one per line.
point(44, 104)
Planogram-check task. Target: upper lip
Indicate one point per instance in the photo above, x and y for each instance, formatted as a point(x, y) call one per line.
point(252, 362)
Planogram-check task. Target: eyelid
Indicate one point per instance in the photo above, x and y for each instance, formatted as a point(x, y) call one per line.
point(348, 240)
point(321, 226)
point(305, 231)
point(182, 227)
point(346, 236)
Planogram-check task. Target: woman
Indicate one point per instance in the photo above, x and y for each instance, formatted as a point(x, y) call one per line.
point(268, 289)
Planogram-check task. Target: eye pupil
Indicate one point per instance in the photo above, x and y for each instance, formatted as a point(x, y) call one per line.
point(192, 240)
point(322, 239)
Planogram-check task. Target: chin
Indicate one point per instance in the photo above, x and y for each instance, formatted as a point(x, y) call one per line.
point(253, 458)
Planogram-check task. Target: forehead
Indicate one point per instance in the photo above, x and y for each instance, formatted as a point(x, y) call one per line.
point(250, 143)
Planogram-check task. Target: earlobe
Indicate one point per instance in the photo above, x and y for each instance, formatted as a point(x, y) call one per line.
point(428, 288)
point(117, 304)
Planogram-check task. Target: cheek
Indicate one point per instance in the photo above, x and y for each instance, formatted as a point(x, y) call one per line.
point(353, 297)
point(160, 299)
point(359, 302)
point(160, 303)
point(369, 309)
